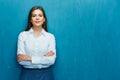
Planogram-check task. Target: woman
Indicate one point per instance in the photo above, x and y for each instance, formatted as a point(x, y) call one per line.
point(36, 48)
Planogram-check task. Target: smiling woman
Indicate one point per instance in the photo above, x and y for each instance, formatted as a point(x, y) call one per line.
point(37, 18)
point(36, 48)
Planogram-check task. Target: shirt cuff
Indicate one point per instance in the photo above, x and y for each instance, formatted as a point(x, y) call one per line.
point(35, 60)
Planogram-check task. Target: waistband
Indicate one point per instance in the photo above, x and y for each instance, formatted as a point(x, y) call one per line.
point(38, 69)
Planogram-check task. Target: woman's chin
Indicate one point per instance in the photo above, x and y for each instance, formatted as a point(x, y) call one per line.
point(38, 25)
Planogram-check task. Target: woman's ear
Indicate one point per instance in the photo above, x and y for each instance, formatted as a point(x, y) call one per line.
point(44, 20)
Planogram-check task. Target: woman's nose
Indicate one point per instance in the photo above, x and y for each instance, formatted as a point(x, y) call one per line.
point(37, 17)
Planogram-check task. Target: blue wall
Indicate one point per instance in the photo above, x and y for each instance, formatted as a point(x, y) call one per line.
point(87, 34)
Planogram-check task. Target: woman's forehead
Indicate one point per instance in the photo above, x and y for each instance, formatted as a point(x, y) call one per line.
point(37, 11)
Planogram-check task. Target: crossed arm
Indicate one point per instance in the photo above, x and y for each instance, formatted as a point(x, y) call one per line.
point(24, 57)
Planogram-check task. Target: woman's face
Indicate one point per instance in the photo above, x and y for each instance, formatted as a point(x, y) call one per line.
point(37, 18)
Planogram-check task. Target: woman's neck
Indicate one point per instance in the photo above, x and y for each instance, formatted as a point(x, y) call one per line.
point(37, 29)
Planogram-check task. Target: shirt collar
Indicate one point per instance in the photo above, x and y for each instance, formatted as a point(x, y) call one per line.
point(42, 32)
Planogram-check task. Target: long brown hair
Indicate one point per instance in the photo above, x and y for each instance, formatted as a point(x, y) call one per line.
point(29, 25)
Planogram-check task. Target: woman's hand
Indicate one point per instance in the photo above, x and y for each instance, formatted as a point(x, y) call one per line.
point(51, 53)
point(23, 57)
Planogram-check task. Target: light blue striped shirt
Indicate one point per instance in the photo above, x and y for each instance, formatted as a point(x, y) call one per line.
point(36, 47)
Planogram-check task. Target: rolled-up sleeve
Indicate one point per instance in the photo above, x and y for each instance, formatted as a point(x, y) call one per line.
point(20, 45)
point(21, 48)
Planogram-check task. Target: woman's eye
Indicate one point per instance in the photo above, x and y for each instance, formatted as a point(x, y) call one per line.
point(33, 15)
point(40, 15)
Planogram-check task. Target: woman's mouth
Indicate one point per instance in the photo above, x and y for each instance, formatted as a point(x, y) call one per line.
point(37, 21)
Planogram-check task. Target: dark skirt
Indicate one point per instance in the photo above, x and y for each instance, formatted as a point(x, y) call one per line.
point(37, 74)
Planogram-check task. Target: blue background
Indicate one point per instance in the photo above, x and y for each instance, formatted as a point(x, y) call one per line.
point(87, 36)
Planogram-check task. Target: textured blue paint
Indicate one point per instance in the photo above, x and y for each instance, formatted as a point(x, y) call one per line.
point(87, 34)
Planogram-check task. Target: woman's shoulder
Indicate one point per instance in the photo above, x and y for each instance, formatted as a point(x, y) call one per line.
point(23, 34)
point(49, 34)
